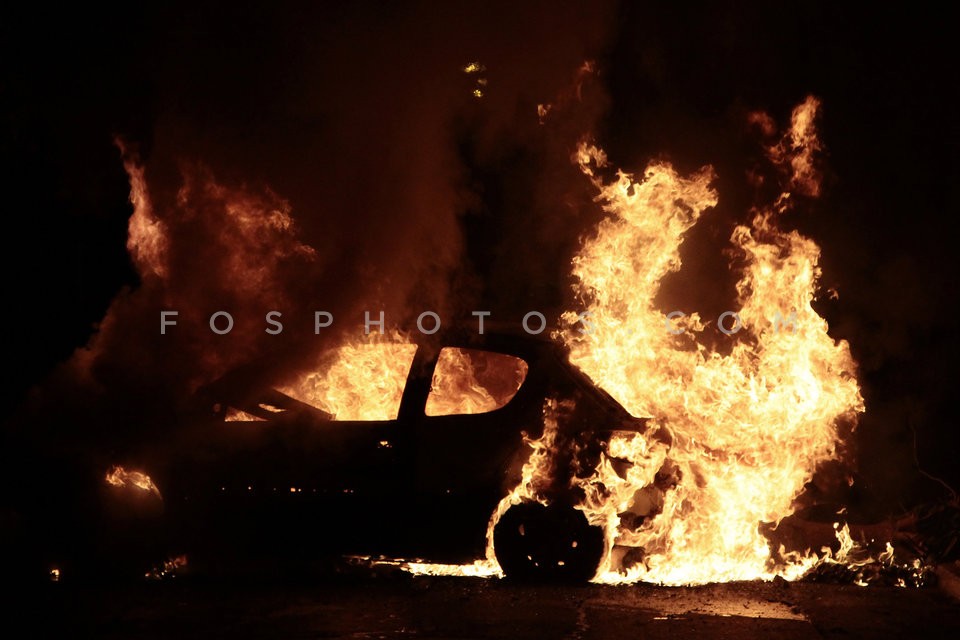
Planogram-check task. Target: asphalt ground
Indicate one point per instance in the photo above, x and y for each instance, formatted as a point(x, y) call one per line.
point(398, 605)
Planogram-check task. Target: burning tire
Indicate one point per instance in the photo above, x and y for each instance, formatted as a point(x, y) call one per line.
point(537, 542)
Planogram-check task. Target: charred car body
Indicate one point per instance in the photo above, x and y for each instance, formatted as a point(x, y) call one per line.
point(259, 475)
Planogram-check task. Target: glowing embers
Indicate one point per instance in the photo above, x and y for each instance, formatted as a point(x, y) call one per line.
point(168, 569)
point(476, 71)
point(467, 381)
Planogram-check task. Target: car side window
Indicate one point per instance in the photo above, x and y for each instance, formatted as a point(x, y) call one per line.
point(357, 382)
point(469, 381)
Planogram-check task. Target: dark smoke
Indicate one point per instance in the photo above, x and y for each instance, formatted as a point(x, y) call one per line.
point(339, 159)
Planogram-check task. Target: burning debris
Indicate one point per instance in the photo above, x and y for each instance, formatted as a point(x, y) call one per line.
point(120, 477)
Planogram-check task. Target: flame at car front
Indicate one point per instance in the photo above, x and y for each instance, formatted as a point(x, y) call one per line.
point(743, 427)
point(747, 426)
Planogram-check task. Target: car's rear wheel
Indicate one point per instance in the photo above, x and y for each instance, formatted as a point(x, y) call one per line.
point(554, 542)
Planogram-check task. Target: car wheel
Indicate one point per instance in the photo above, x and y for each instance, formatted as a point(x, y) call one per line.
point(554, 542)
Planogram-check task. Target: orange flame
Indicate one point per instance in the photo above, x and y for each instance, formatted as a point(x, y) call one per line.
point(364, 379)
point(797, 152)
point(740, 433)
point(360, 380)
point(467, 381)
point(120, 477)
point(146, 234)
point(747, 428)
point(734, 433)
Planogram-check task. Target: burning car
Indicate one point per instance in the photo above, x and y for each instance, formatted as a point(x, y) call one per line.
point(419, 466)
point(407, 448)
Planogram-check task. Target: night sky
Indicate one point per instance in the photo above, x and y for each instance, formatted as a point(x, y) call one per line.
point(360, 113)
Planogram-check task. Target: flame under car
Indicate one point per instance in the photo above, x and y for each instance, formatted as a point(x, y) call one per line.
point(296, 473)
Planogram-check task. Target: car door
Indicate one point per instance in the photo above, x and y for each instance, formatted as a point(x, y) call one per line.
point(468, 439)
point(313, 459)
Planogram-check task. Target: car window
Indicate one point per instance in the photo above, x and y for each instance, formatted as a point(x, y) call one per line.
point(357, 382)
point(473, 381)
